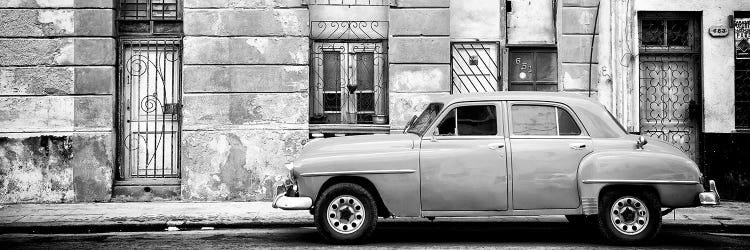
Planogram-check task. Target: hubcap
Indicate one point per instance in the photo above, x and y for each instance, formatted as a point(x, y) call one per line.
point(345, 214)
point(629, 215)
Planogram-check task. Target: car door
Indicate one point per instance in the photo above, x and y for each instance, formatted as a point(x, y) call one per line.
point(547, 143)
point(463, 160)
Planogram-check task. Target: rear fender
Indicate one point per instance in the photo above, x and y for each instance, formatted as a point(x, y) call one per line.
point(675, 178)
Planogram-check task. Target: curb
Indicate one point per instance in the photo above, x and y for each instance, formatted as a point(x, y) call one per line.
point(151, 226)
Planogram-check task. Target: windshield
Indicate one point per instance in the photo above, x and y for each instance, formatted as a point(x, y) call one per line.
point(425, 119)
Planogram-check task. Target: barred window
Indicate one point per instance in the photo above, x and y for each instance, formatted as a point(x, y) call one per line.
point(348, 83)
point(474, 67)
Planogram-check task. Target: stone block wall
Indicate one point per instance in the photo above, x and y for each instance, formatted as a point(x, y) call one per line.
point(418, 57)
point(576, 38)
point(245, 78)
point(57, 79)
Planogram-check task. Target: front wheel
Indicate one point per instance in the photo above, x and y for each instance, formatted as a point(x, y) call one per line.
point(346, 213)
point(629, 217)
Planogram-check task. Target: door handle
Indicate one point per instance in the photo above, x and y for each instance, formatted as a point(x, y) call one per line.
point(577, 146)
point(495, 146)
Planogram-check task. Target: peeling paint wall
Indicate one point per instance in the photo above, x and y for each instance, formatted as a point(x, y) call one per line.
point(578, 46)
point(56, 82)
point(418, 57)
point(245, 96)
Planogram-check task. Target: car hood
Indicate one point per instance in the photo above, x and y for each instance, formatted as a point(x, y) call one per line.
point(358, 144)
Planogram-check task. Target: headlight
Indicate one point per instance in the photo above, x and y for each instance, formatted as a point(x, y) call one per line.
point(289, 166)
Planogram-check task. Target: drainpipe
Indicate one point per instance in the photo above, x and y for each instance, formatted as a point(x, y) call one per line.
point(593, 37)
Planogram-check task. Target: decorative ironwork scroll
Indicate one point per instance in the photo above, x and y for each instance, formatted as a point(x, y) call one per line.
point(361, 30)
point(669, 93)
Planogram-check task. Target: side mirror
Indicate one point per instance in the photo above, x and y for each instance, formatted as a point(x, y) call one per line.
point(640, 142)
point(408, 124)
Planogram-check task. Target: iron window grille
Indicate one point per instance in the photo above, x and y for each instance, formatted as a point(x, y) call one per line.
point(742, 70)
point(475, 67)
point(532, 69)
point(665, 32)
point(349, 83)
point(150, 17)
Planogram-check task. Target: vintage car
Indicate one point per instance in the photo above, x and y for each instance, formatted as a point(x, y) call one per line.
point(496, 154)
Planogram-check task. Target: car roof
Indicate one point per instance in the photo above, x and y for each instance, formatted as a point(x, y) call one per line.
point(592, 114)
point(562, 97)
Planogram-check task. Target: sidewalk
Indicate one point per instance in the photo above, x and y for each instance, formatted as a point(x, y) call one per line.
point(145, 216)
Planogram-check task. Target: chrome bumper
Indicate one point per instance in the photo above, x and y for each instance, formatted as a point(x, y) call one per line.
point(292, 203)
point(711, 197)
point(287, 197)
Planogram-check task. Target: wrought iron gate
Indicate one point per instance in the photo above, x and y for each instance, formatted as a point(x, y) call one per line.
point(670, 79)
point(150, 99)
point(474, 67)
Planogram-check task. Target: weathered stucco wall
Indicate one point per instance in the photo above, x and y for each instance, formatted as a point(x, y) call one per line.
point(418, 57)
point(245, 79)
point(578, 68)
point(57, 77)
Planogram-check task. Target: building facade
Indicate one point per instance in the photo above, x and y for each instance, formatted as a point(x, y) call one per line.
point(110, 100)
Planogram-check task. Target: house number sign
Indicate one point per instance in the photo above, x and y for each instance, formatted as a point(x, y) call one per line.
point(525, 69)
point(718, 31)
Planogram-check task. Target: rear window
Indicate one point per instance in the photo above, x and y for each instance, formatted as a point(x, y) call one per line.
point(542, 120)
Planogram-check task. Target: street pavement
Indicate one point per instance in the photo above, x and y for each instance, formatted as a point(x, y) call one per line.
point(388, 235)
point(203, 225)
point(144, 216)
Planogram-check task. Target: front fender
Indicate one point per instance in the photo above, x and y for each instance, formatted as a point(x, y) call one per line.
point(676, 178)
point(389, 163)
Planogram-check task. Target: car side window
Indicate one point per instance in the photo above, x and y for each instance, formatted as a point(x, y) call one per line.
point(469, 121)
point(542, 120)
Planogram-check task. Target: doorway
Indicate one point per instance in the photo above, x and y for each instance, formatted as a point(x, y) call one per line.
point(669, 81)
point(150, 104)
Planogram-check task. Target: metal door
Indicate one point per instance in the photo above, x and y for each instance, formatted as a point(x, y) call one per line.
point(150, 103)
point(464, 173)
point(474, 67)
point(669, 100)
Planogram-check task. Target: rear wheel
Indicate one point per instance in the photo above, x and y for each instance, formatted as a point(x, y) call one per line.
point(629, 216)
point(346, 213)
